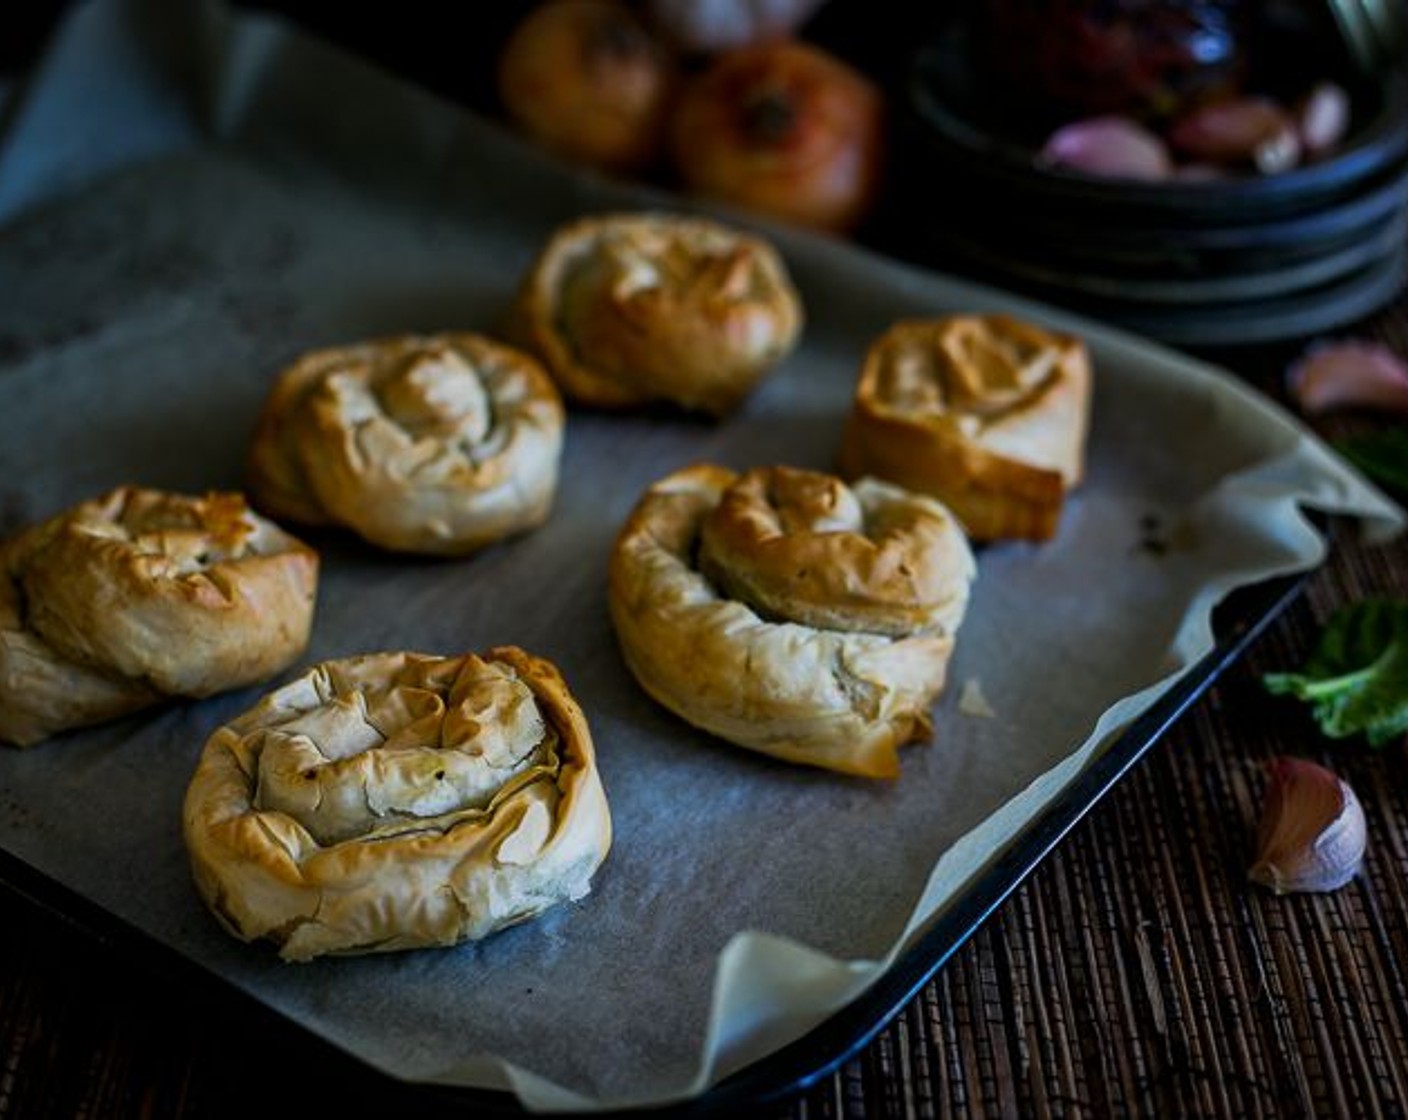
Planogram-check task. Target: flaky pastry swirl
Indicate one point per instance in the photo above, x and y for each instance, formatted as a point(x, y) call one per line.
point(141, 594)
point(629, 309)
point(987, 413)
point(397, 801)
point(789, 613)
point(436, 444)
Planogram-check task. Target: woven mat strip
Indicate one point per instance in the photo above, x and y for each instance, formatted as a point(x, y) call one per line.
point(1139, 972)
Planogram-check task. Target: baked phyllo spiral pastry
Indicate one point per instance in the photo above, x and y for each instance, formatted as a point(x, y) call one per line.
point(437, 444)
point(789, 613)
point(140, 595)
point(629, 309)
point(989, 414)
point(398, 801)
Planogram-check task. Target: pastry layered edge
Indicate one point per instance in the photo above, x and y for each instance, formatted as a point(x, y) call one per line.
point(842, 701)
point(265, 877)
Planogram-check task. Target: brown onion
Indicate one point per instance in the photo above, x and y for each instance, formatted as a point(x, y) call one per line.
point(785, 129)
point(587, 79)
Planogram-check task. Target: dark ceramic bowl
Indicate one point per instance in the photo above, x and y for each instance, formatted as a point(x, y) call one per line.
point(1238, 259)
point(955, 120)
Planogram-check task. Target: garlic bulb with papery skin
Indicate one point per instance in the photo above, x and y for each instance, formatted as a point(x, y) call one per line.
point(1312, 832)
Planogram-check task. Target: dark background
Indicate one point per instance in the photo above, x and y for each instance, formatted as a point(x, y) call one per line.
point(451, 49)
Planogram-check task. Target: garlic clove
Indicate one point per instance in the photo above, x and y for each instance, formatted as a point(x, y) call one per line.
point(1239, 131)
point(1349, 374)
point(1312, 833)
point(1112, 147)
point(1322, 118)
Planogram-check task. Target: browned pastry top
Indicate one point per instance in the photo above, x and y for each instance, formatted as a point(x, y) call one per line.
point(141, 594)
point(988, 413)
point(805, 546)
point(791, 614)
point(627, 309)
point(435, 444)
point(398, 800)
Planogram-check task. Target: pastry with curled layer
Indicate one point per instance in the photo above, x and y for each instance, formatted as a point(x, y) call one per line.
point(789, 613)
point(989, 414)
point(398, 801)
point(139, 595)
point(435, 444)
point(631, 309)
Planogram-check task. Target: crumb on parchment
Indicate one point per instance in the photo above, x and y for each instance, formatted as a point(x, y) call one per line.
point(972, 702)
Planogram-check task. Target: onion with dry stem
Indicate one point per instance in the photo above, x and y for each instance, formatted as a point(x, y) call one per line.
point(785, 129)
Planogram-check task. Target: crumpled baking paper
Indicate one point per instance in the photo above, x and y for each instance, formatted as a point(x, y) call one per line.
point(189, 199)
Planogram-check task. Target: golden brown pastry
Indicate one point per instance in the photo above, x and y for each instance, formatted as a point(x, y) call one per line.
point(398, 801)
point(437, 444)
point(789, 613)
point(629, 309)
point(989, 414)
point(139, 595)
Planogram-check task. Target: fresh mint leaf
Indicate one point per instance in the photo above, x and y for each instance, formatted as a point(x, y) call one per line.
point(1356, 678)
point(1381, 455)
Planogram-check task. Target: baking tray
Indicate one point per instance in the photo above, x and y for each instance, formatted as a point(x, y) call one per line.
point(769, 1082)
point(200, 225)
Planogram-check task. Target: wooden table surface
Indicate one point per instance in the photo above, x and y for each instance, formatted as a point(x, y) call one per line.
point(1135, 972)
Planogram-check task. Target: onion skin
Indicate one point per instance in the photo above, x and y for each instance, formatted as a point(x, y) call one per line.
point(785, 129)
point(588, 80)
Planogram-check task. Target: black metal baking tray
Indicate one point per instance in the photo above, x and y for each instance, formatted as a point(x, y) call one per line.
point(771, 1081)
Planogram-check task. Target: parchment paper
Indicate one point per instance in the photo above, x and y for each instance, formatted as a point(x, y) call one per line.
point(190, 201)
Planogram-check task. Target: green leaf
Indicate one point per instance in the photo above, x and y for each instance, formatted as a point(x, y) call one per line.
point(1382, 456)
point(1356, 678)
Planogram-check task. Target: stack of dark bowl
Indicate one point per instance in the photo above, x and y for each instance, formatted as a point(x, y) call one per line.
point(1195, 261)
